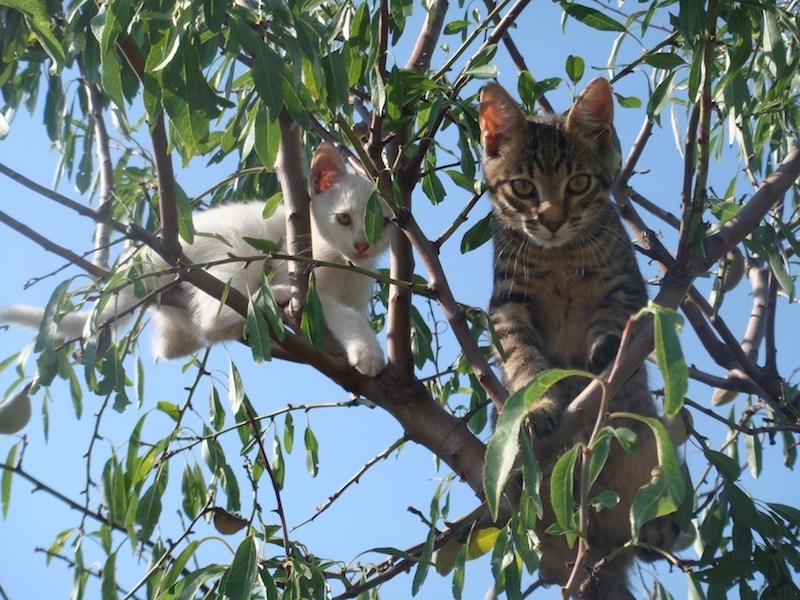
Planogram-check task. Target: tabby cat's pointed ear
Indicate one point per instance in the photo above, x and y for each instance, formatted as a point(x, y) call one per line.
point(593, 111)
point(327, 167)
point(500, 118)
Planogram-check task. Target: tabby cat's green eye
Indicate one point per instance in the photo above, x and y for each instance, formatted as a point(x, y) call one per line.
point(523, 188)
point(578, 184)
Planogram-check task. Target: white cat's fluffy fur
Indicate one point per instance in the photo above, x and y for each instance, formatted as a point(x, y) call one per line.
point(338, 203)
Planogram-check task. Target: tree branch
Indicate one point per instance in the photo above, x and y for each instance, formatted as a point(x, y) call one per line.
point(296, 201)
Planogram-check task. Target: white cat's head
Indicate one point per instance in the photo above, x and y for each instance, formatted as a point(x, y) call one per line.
point(338, 206)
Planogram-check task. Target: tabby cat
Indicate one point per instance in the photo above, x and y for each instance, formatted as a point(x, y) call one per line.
point(565, 283)
point(338, 204)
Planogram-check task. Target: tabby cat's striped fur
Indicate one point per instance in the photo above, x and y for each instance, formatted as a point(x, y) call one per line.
point(565, 283)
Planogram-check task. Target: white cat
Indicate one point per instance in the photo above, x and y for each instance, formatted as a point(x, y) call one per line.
point(338, 205)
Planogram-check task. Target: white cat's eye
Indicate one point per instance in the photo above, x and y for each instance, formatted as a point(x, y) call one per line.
point(343, 218)
point(578, 184)
point(523, 188)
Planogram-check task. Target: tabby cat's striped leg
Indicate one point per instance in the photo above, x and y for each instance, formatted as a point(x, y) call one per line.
point(524, 360)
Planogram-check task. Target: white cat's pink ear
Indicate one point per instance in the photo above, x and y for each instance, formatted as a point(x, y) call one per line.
point(327, 168)
point(499, 117)
point(593, 110)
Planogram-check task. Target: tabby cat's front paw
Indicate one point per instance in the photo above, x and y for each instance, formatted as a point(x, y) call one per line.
point(602, 352)
point(544, 417)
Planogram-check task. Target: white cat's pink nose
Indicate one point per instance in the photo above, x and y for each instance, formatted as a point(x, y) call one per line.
point(361, 247)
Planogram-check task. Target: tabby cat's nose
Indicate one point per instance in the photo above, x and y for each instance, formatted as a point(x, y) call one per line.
point(553, 225)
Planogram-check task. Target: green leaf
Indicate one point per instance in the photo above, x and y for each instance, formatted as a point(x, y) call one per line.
point(189, 585)
point(592, 17)
point(502, 450)
point(148, 511)
point(664, 494)
point(256, 333)
point(267, 136)
point(774, 48)
point(477, 235)
point(727, 467)
point(38, 18)
point(108, 580)
point(288, 432)
point(312, 452)
point(669, 356)
point(235, 389)
point(170, 409)
point(373, 219)
point(263, 246)
point(661, 96)
point(575, 68)
point(7, 478)
point(663, 60)
point(424, 563)
point(266, 68)
point(561, 495)
point(313, 321)
point(176, 568)
point(241, 575)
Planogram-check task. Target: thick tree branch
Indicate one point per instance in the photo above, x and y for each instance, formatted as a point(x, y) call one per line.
point(296, 201)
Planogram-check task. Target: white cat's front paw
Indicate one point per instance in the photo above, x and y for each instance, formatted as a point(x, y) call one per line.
point(282, 294)
point(367, 358)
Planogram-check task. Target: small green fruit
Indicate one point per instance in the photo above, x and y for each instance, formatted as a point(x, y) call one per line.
point(15, 413)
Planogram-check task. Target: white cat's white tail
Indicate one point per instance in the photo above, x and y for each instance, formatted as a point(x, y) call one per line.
point(71, 326)
point(26, 315)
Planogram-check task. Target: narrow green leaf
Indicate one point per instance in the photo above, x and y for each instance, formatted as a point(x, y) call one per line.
point(170, 409)
point(424, 563)
point(267, 137)
point(664, 494)
point(313, 321)
point(502, 450)
point(477, 235)
point(670, 356)
point(561, 494)
point(312, 452)
point(189, 585)
point(148, 511)
point(235, 388)
point(7, 478)
point(176, 568)
point(108, 580)
point(241, 575)
point(278, 464)
point(373, 219)
point(663, 60)
point(288, 433)
point(38, 18)
point(661, 96)
point(257, 333)
point(592, 17)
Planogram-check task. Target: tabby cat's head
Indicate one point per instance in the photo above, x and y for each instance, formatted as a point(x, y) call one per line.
point(548, 177)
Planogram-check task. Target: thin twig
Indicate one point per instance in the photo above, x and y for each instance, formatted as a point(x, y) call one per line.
point(276, 488)
point(50, 246)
